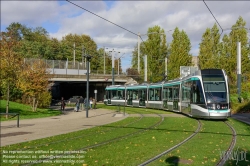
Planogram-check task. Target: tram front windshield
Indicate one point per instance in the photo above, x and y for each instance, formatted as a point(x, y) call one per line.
point(215, 88)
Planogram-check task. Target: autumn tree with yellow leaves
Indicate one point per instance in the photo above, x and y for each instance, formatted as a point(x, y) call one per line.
point(34, 83)
point(20, 79)
point(10, 63)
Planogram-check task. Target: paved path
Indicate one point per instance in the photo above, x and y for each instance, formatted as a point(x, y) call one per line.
point(244, 117)
point(32, 129)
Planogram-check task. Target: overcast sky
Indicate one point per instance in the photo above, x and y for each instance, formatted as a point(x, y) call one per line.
point(60, 18)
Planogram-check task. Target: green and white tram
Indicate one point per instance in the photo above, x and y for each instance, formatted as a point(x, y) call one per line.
point(204, 94)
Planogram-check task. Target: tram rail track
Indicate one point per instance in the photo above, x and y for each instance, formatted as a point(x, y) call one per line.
point(224, 158)
point(174, 147)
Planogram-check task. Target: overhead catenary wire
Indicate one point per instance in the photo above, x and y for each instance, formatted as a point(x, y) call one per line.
point(102, 18)
point(214, 17)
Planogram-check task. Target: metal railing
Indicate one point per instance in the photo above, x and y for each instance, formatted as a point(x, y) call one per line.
point(63, 67)
point(13, 115)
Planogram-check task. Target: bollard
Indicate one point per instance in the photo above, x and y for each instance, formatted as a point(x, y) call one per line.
point(17, 120)
point(119, 108)
point(124, 110)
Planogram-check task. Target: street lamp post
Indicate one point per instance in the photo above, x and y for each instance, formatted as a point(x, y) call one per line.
point(118, 68)
point(104, 60)
point(113, 79)
point(138, 66)
point(145, 68)
point(88, 57)
point(113, 68)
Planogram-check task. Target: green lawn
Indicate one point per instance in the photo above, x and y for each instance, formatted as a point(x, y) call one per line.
point(25, 111)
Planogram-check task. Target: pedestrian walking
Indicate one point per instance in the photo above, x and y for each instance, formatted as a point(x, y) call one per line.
point(85, 104)
point(77, 104)
point(62, 104)
point(94, 103)
point(81, 103)
point(91, 102)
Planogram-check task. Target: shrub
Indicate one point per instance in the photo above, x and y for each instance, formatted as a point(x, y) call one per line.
point(44, 100)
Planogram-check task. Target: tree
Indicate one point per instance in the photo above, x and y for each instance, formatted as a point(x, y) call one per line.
point(133, 73)
point(238, 34)
point(108, 60)
point(155, 48)
point(209, 54)
point(19, 31)
point(179, 53)
point(10, 64)
point(34, 81)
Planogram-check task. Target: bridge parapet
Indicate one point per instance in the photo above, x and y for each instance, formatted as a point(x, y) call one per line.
point(63, 70)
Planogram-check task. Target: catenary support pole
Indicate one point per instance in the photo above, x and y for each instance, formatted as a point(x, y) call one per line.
point(145, 68)
point(113, 64)
point(87, 93)
point(138, 66)
point(239, 70)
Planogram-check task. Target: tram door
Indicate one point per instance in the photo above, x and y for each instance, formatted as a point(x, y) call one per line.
point(142, 94)
point(176, 98)
point(108, 96)
point(166, 97)
point(129, 97)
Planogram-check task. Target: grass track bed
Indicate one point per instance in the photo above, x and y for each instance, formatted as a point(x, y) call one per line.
point(203, 149)
point(135, 150)
point(133, 110)
point(242, 144)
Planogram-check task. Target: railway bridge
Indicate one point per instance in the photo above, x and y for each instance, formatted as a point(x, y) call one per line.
point(70, 79)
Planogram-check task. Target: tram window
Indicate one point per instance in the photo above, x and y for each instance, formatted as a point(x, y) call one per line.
point(142, 94)
point(197, 93)
point(135, 94)
point(120, 94)
point(215, 86)
point(113, 94)
point(151, 95)
point(158, 94)
point(170, 90)
point(108, 93)
point(129, 94)
point(165, 93)
point(176, 92)
point(186, 90)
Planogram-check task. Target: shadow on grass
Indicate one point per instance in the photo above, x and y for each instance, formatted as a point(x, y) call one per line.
point(173, 161)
